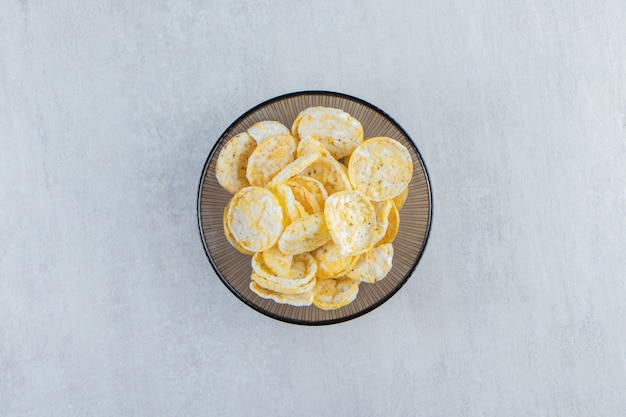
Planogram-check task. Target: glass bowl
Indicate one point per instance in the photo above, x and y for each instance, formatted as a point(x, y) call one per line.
point(234, 268)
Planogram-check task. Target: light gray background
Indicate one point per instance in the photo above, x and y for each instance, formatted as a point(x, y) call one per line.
point(108, 305)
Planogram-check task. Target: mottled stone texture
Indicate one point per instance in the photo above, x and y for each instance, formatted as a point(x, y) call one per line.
point(108, 306)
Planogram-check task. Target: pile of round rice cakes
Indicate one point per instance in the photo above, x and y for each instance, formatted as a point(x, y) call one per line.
point(316, 207)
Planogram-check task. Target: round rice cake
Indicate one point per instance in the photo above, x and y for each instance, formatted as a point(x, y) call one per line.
point(255, 218)
point(276, 287)
point(232, 162)
point(351, 220)
point(304, 235)
point(276, 261)
point(331, 173)
point(333, 293)
point(269, 158)
point(373, 265)
point(381, 168)
point(266, 129)
point(303, 270)
point(330, 261)
point(311, 145)
point(338, 131)
point(231, 239)
point(297, 300)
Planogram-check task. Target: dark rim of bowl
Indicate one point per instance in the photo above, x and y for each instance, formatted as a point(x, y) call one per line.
point(319, 322)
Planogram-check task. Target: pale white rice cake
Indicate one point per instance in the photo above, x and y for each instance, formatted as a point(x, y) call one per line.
point(331, 173)
point(351, 220)
point(269, 157)
point(338, 131)
point(232, 162)
point(266, 129)
point(381, 168)
point(302, 271)
point(231, 239)
point(304, 235)
point(297, 300)
point(255, 218)
point(373, 265)
point(333, 293)
point(276, 261)
point(331, 263)
point(311, 145)
point(276, 287)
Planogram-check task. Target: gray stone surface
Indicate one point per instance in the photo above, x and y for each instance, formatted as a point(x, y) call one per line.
point(108, 306)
